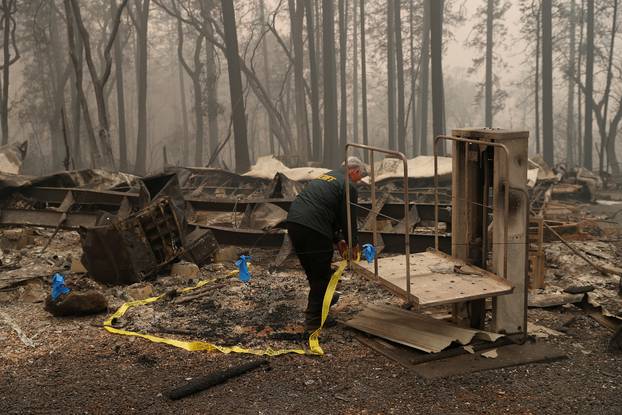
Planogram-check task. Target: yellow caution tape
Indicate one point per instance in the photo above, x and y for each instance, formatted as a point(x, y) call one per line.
point(314, 344)
point(237, 271)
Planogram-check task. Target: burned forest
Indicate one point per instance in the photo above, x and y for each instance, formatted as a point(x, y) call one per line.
point(296, 206)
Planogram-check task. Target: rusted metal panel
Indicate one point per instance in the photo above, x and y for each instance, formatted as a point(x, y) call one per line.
point(393, 242)
point(137, 247)
point(392, 210)
point(226, 235)
point(200, 246)
point(51, 218)
point(55, 195)
point(90, 198)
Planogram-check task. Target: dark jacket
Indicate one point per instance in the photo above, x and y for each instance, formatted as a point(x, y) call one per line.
point(321, 206)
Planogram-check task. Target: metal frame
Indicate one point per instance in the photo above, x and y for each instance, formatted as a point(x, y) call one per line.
point(372, 176)
point(506, 192)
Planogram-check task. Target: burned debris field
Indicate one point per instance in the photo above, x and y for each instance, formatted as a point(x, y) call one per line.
point(300, 207)
point(68, 362)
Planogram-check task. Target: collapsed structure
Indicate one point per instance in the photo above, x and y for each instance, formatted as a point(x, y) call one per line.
point(461, 237)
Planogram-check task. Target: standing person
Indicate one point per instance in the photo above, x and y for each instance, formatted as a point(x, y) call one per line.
point(316, 219)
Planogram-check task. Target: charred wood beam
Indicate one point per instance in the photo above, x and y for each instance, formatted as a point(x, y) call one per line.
point(205, 382)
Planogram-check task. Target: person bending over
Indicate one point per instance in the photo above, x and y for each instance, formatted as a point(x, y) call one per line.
point(317, 218)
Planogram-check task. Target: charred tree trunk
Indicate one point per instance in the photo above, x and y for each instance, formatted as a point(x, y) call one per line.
point(281, 127)
point(141, 22)
point(413, 79)
point(57, 92)
point(197, 88)
point(266, 72)
point(391, 121)
point(399, 59)
point(118, 64)
point(76, 147)
point(331, 136)
point(424, 78)
point(570, 119)
point(579, 109)
point(343, 113)
point(184, 113)
point(211, 78)
point(364, 80)
point(436, 43)
point(488, 81)
point(607, 140)
point(96, 159)
point(296, 12)
point(242, 160)
point(589, 86)
point(355, 75)
point(212, 99)
point(198, 103)
point(315, 87)
point(547, 82)
point(99, 81)
point(9, 8)
point(537, 80)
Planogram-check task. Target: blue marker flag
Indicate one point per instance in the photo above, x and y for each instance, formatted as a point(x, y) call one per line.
point(242, 265)
point(369, 252)
point(58, 286)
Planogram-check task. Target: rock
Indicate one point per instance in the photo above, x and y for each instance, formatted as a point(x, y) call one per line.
point(469, 349)
point(579, 289)
point(186, 270)
point(77, 266)
point(553, 299)
point(17, 239)
point(541, 331)
point(33, 293)
point(140, 291)
point(491, 354)
point(8, 296)
point(77, 304)
point(227, 254)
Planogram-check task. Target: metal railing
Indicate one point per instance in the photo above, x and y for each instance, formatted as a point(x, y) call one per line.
point(372, 176)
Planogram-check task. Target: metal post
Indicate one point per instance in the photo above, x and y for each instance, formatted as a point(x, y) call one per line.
point(467, 219)
point(435, 196)
point(348, 212)
point(485, 212)
point(371, 149)
point(372, 177)
point(407, 228)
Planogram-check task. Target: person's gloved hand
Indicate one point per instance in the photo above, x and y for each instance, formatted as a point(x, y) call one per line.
point(342, 247)
point(356, 252)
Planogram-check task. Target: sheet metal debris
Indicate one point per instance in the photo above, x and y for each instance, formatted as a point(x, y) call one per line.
point(136, 247)
point(414, 330)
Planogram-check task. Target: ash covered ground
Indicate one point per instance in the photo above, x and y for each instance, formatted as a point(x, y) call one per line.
point(77, 367)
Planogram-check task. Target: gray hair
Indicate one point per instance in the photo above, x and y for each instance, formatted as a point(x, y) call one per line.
point(355, 162)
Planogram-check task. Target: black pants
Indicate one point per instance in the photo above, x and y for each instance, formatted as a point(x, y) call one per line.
point(315, 252)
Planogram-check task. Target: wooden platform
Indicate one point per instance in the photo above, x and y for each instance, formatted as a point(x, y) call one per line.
point(435, 279)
